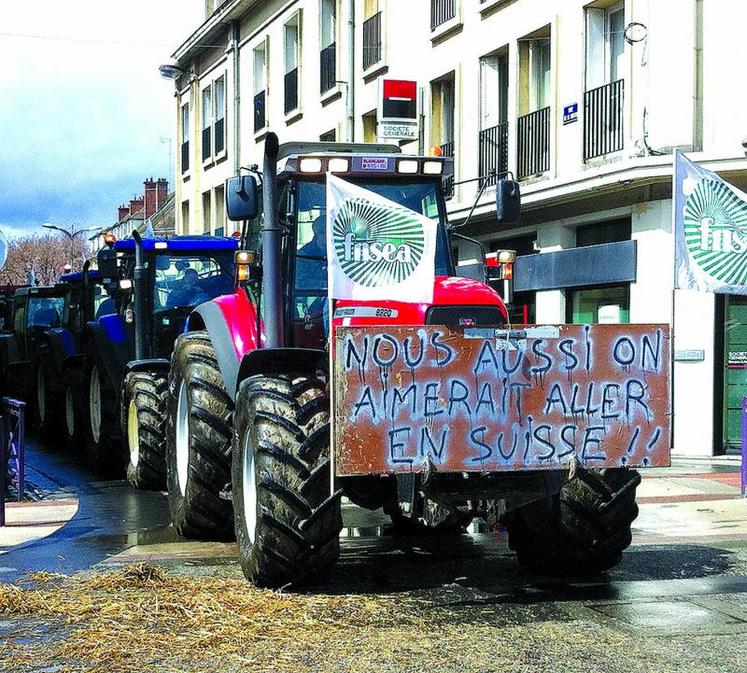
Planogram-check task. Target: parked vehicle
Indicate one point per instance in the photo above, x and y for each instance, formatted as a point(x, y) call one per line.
point(156, 283)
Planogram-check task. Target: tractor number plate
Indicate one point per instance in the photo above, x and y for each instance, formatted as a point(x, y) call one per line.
point(413, 399)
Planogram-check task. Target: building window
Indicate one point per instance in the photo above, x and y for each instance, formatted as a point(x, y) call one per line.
point(493, 138)
point(607, 304)
point(206, 221)
point(185, 218)
point(442, 121)
point(260, 87)
point(328, 41)
point(185, 137)
point(604, 96)
point(603, 232)
point(220, 114)
point(372, 46)
point(533, 126)
point(370, 127)
point(207, 122)
point(441, 12)
point(220, 211)
point(292, 52)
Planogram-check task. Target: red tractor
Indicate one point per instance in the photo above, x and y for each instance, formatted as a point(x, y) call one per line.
point(251, 425)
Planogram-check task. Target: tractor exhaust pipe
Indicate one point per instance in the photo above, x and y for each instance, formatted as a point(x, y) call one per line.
point(86, 288)
point(138, 282)
point(272, 280)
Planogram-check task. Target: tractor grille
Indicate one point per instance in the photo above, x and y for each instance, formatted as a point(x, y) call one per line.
point(464, 316)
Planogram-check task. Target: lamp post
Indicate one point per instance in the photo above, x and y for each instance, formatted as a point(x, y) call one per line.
point(71, 233)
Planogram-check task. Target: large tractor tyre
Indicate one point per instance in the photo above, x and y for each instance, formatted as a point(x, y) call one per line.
point(144, 410)
point(198, 448)
point(583, 530)
point(287, 522)
point(73, 415)
point(103, 436)
point(46, 408)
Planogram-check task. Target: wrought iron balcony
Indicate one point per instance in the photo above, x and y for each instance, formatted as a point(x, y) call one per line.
point(603, 119)
point(493, 152)
point(447, 150)
point(534, 143)
point(327, 68)
point(441, 12)
point(372, 40)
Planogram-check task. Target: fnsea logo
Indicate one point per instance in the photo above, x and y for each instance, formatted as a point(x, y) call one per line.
point(716, 231)
point(377, 245)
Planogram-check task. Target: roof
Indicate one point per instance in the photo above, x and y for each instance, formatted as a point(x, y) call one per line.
point(180, 244)
point(77, 276)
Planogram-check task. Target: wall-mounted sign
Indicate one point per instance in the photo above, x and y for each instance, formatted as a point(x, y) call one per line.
point(570, 114)
point(398, 109)
point(689, 356)
point(737, 360)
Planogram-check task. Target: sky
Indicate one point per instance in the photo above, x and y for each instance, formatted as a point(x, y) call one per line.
point(83, 108)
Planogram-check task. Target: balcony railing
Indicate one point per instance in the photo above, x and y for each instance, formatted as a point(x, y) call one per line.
point(327, 68)
point(220, 135)
point(206, 144)
point(185, 156)
point(493, 152)
point(447, 150)
point(603, 120)
point(441, 12)
point(371, 41)
point(291, 90)
point(259, 111)
point(534, 143)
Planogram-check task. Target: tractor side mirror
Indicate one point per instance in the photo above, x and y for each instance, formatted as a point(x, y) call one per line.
point(470, 258)
point(507, 201)
point(241, 198)
point(108, 268)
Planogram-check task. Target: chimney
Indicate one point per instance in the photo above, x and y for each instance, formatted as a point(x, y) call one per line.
point(123, 211)
point(162, 191)
point(151, 204)
point(136, 205)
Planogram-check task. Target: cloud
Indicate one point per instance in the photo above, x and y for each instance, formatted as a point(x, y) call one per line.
point(82, 117)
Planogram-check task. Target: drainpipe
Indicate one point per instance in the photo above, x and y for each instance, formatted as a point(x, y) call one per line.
point(698, 79)
point(234, 48)
point(350, 131)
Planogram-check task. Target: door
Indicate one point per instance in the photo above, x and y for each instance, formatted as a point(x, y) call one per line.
point(735, 378)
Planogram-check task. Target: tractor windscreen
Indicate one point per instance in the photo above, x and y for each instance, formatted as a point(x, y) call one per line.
point(45, 311)
point(183, 281)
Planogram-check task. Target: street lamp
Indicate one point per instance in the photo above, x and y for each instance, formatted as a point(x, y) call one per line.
point(71, 234)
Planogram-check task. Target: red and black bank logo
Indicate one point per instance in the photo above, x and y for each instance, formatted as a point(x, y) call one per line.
point(400, 99)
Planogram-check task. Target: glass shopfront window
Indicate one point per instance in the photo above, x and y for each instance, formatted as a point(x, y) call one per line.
point(609, 304)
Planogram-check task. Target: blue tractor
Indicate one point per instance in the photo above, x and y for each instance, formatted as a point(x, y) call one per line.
point(156, 283)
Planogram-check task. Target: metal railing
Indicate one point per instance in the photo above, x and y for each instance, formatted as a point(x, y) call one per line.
point(603, 119)
point(259, 111)
point(185, 156)
point(493, 152)
point(534, 143)
point(441, 12)
point(291, 90)
point(372, 40)
point(447, 150)
point(327, 68)
point(12, 450)
point(206, 145)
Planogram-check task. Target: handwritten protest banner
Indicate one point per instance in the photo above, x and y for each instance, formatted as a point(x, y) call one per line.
point(479, 399)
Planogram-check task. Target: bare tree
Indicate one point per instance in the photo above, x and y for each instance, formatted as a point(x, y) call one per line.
point(46, 254)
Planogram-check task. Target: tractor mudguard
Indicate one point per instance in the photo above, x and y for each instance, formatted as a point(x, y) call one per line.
point(151, 365)
point(231, 324)
point(112, 344)
point(282, 361)
point(61, 345)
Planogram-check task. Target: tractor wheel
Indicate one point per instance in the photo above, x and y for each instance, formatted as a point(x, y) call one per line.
point(199, 441)
point(582, 530)
point(287, 522)
point(72, 405)
point(46, 407)
point(144, 408)
point(102, 428)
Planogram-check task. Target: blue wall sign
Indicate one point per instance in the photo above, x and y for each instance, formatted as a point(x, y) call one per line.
point(570, 113)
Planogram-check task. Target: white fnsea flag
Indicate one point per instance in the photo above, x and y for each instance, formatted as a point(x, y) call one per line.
point(377, 249)
point(710, 224)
